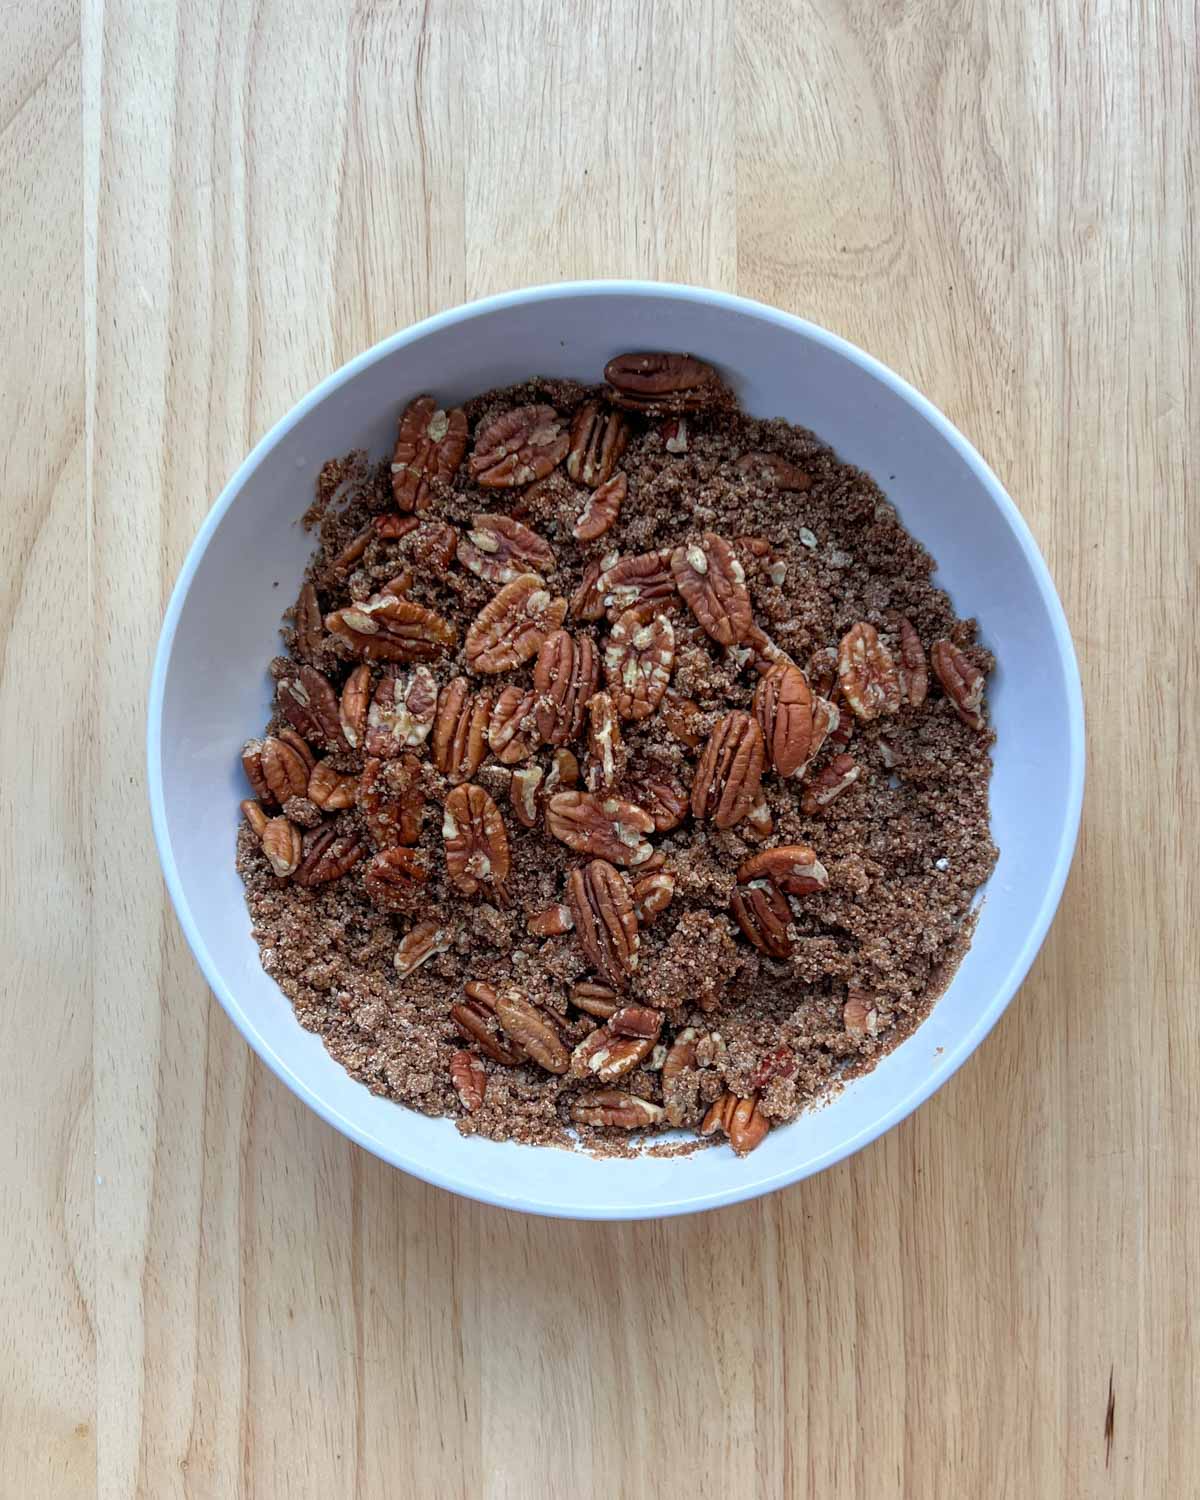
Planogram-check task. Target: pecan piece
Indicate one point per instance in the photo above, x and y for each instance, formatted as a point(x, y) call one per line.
point(774, 471)
point(401, 713)
point(601, 509)
point(598, 438)
point(595, 999)
point(652, 894)
point(779, 1062)
point(330, 789)
point(391, 798)
point(783, 708)
point(606, 827)
point(823, 671)
point(641, 578)
point(587, 603)
point(394, 879)
point(828, 783)
point(682, 718)
point(310, 631)
point(352, 552)
point(740, 1119)
point(605, 921)
point(460, 730)
point(310, 705)
point(867, 674)
point(713, 584)
point(532, 1030)
point(328, 854)
point(283, 845)
point(552, 922)
point(564, 772)
point(565, 677)
point(512, 730)
point(606, 750)
point(961, 681)
point(664, 383)
point(389, 627)
point(617, 1047)
point(511, 629)
point(914, 673)
point(638, 658)
point(664, 799)
point(469, 1077)
point(419, 943)
point(356, 700)
point(518, 447)
point(759, 823)
point(430, 445)
point(674, 434)
point(794, 868)
point(680, 1058)
point(476, 841)
point(859, 1016)
point(762, 912)
point(524, 792)
point(730, 771)
point(616, 1109)
point(252, 766)
point(827, 719)
point(500, 549)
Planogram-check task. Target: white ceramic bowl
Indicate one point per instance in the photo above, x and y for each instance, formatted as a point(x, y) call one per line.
point(210, 690)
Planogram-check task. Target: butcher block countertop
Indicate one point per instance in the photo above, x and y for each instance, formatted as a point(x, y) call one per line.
point(206, 209)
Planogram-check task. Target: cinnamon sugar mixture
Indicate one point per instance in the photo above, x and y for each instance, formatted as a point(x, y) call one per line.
point(626, 771)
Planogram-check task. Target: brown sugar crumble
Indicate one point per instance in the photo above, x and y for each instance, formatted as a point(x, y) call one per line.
point(626, 771)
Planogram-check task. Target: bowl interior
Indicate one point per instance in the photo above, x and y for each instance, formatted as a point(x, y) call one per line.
point(211, 691)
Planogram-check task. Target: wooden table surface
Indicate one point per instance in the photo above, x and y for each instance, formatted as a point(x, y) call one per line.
point(207, 208)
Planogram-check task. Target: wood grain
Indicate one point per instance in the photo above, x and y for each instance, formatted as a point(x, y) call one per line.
point(205, 209)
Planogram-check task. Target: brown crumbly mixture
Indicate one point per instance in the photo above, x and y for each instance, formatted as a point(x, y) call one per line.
point(906, 847)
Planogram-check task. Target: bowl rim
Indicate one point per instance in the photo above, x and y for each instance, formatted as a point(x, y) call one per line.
point(949, 1063)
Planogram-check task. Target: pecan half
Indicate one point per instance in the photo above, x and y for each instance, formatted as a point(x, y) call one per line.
point(779, 1062)
point(389, 627)
point(616, 1109)
point(598, 438)
point(826, 720)
point(552, 922)
point(823, 671)
point(859, 1016)
point(914, 673)
point(783, 708)
point(524, 792)
point(730, 771)
point(617, 1047)
point(391, 798)
point(740, 1119)
point(401, 713)
point(532, 1030)
point(518, 447)
point(475, 1021)
point(283, 845)
point(460, 730)
point(713, 584)
point(419, 943)
point(310, 705)
point(310, 630)
point(252, 766)
point(961, 681)
point(664, 383)
point(394, 879)
point(595, 999)
point(328, 854)
point(680, 1058)
point(434, 544)
point(774, 471)
point(511, 629)
point(390, 527)
point(476, 841)
point(430, 445)
point(605, 921)
point(640, 578)
point(330, 789)
point(299, 745)
point(512, 730)
point(284, 771)
point(606, 750)
point(762, 912)
point(356, 700)
point(601, 509)
point(682, 717)
point(829, 783)
point(759, 823)
point(652, 894)
point(565, 677)
point(867, 674)
point(564, 772)
point(664, 799)
point(352, 552)
point(469, 1077)
point(587, 603)
point(606, 827)
point(499, 549)
point(638, 658)
point(794, 868)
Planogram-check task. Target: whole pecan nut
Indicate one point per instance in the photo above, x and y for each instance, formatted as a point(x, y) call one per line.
point(512, 730)
point(460, 730)
point(664, 383)
point(469, 1077)
point(430, 445)
point(391, 798)
point(310, 705)
point(794, 868)
point(328, 854)
point(518, 447)
point(532, 1030)
point(730, 771)
point(762, 912)
point(783, 708)
point(565, 677)
point(605, 921)
point(960, 679)
point(713, 584)
point(394, 879)
point(616, 1109)
point(510, 630)
point(638, 658)
point(401, 713)
point(420, 943)
point(601, 509)
point(499, 549)
point(867, 673)
point(389, 627)
point(476, 841)
point(606, 827)
point(598, 439)
point(829, 783)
